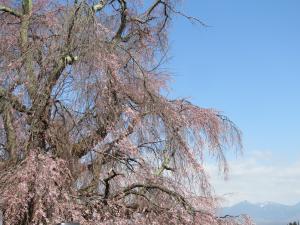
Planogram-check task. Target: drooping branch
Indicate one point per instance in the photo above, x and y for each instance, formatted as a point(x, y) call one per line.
point(10, 11)
point(92, 100)
point(178, 197)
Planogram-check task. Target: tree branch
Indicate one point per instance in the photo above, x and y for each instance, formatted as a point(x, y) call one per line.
point(153, 6)
point(98, 7)
point(10, 11)
point(165, 165)
point(14, 101)
point(178, 197)
point(122, 26)
point(112, 174)
point(6, 111)
point(26, 51)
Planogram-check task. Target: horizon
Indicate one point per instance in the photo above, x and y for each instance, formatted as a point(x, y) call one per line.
point(245, 63)
point(260, 203)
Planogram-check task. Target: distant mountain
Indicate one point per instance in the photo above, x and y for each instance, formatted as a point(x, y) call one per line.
point(267, 213)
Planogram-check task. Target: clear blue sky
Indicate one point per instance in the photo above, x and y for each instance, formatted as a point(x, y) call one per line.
point(246, 64)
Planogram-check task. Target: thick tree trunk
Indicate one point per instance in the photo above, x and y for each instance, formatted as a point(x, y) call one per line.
point(38, 134)
point(39, 121)
point(26, 52)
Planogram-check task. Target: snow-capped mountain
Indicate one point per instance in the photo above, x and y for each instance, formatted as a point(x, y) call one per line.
point(266, 213)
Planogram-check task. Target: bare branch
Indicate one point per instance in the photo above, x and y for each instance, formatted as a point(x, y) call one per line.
point(178, 197)
point(112, 175)
point(98, 7)
point(153, 6)
point(5, 95)
point(10, 11)
point(6, 111)
point(123, 12)
point(190, 18)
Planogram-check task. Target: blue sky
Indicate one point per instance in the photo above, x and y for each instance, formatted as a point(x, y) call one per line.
point(246, 63)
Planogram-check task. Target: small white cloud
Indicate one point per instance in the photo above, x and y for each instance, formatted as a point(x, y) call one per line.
point(258, 177)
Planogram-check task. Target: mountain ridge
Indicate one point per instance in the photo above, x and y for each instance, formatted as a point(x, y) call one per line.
point(265, 213)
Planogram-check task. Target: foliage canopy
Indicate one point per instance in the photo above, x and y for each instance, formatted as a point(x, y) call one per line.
point(87, 134)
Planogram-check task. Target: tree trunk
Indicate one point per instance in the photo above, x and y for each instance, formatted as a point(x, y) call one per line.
point(39, 122)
